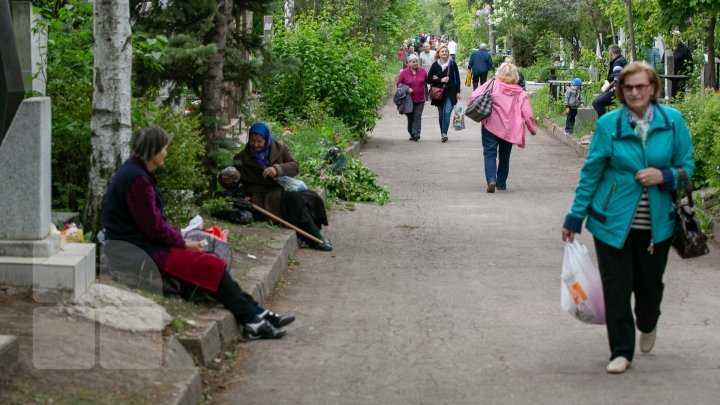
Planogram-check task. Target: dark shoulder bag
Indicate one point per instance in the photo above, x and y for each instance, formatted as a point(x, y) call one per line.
point(688, 240)
point(481, 107)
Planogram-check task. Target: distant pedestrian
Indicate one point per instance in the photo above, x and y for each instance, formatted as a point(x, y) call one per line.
point(521, 80)
point(573, 101)
point(444, 74)
point(617, 63)
point(452, 47)
point(414, 77)
point(480, 63)
point(511, 114)
point(426, 57)
point(626, 192)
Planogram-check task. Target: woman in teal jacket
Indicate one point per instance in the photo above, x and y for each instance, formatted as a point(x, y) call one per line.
point(626, 191)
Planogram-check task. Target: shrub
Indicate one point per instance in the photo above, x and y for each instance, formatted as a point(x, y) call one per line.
point(702, 113)
point(337, 68)
point(181, 179)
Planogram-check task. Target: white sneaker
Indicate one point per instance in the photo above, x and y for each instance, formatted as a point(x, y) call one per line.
point(647, 341)
point(618, 365)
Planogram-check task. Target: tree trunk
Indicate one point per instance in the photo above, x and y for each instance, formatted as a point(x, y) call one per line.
point(612, 33)
point(631, 34)
point(711, 49)
point(491, 27)
point(212, 96)
point(110, 125)
point(289, 13)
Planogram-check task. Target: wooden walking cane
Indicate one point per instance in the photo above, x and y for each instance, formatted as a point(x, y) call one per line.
point(286, 223)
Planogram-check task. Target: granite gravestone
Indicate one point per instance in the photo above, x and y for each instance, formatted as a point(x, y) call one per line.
point(11, 81)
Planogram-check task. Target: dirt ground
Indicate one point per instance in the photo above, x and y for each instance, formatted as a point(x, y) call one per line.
point(71, 364)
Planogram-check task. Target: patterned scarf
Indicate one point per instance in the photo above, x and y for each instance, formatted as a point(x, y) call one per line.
point(641, 125)
point(263, 130)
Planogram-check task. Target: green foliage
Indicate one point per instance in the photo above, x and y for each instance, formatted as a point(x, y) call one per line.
point(181, 179)
point(702, 113)
point(69, 86)
point(336, 68)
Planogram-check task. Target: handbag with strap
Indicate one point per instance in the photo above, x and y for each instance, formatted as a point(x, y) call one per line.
point(437, 93)
point(688, 240)
point(481, 107)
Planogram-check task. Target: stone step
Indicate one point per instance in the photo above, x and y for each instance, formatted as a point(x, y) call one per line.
point(8, 356)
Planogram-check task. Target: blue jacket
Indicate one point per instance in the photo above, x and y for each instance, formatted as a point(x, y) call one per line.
point(480, 62)
point(608, 193)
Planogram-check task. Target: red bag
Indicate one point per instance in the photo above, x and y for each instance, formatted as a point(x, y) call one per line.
point(218, 232)
point(437, 93)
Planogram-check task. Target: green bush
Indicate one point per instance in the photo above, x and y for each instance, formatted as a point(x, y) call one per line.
point(69, 86)
point(181, 179)
point(336, 68)
point(702, 113)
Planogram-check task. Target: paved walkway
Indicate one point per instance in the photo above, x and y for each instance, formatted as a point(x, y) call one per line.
point(450, 295)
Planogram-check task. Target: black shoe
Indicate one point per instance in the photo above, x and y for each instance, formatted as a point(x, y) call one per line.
point(444, 138)
point(491, 187)
point(278, 320)
point(416, 138)
point(262, 330)
point(325, 246)
point(412, 138)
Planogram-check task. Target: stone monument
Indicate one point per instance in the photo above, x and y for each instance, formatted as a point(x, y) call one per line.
point(30, 255)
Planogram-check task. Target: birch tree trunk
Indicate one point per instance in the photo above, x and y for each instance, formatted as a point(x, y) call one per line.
point(491, 28)
point(211, 104)
point(289, 13)
point(710, 39)
point(110, 125)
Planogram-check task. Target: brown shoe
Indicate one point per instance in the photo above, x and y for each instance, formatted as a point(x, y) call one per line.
point(491, 187)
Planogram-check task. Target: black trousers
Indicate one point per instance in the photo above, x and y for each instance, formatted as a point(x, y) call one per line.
point(482, 77)
point(414, 118)
point(602, 101)
point(625, 271)
point(242, 305)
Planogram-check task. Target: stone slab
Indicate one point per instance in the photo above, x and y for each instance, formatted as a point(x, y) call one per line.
point(225, 320)
point(203, 343)
point(45, 247)
point(9, 350)
point(585, 115)
point(25, 173)
point(64, 276)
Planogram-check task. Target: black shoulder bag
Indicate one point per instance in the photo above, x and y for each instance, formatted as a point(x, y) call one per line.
point(688, 240)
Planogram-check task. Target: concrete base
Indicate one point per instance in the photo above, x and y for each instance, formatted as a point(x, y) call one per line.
point(30, 248)
point(64, 276)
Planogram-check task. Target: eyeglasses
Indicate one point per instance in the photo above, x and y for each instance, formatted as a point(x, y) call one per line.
point(628, 88)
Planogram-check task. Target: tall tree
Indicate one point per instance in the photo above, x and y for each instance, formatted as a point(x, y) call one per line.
point(631, 33)
point(679, 12)
point(212, 95)
point(110, 126)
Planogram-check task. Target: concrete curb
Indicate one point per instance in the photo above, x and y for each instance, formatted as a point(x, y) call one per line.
point(570, 140)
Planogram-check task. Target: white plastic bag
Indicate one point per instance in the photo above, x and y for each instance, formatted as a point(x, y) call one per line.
point(195, 223)
point(290, 183)
point(581, 293)
point(458, 122)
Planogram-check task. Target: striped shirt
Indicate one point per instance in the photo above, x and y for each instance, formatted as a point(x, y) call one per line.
point(641, 220)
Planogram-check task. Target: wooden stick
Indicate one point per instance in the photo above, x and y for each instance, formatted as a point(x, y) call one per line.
point(286, 223)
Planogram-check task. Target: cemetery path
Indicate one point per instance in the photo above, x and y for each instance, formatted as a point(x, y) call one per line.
point(450, 295)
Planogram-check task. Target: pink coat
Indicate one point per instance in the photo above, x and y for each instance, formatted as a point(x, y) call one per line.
point(511, 111)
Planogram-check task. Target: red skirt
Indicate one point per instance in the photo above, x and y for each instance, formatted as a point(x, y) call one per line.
point(201, 269)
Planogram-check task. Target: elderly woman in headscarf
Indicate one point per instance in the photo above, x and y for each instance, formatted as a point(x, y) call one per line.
point(262, 161)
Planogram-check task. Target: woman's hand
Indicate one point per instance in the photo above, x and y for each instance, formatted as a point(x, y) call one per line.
point(197, 246)
point(445, 79)
point(409, 91)
point(567, 236)
point(270, 172)
point(649, 177)
point(435, 77)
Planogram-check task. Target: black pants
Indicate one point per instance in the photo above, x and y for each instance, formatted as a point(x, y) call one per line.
point(625, 271)
point(242, 305)
point(415, 119)
point(602, 101)
point(481, 76)
point(570, 120)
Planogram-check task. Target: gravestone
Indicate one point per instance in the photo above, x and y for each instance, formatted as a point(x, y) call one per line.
point(31, 46)
point(30, 255)
point(11, 83)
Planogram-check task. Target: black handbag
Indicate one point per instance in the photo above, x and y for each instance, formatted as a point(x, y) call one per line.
point(481, 107)
point(688, 240)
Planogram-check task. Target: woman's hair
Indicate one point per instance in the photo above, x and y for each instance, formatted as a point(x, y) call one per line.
point(507, 73)
point(412, 57)
point(148, 142)
point(637, 67)
point(437, 52)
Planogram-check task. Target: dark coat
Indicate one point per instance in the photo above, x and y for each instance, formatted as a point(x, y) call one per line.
point(403, 100)
point(265, 192)
point(480, 62)
point(452, 87)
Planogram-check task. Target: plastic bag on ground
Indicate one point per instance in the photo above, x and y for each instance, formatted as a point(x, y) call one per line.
point(581, 293)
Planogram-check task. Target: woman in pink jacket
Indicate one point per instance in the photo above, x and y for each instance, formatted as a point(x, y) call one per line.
point(511, 113)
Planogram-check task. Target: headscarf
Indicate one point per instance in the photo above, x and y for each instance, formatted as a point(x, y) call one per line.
point(263, 130)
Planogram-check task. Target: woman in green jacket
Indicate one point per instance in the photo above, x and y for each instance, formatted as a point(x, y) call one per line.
point(626, 191)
